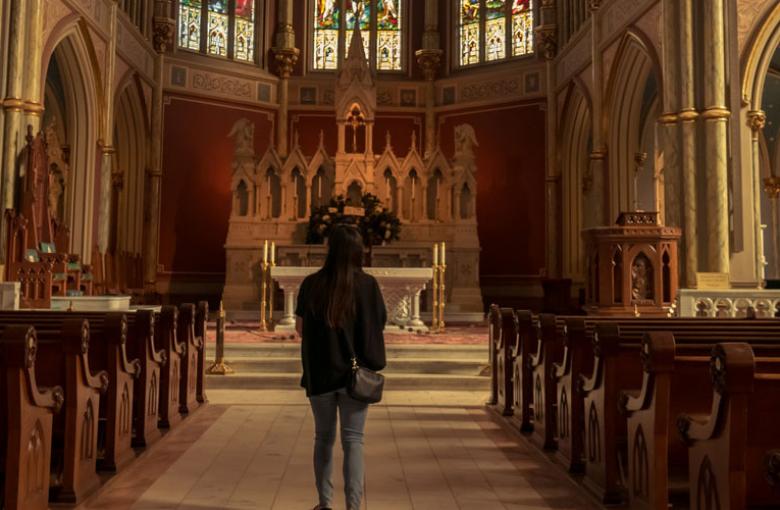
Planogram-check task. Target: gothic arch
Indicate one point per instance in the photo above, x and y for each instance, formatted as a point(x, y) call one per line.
point(131, 141)
point(73, 58)
point(756, 61)
point(635, 66)
point(578, 188)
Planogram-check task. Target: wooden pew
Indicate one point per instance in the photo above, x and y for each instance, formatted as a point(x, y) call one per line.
point(191, 359)
point(170, 375)
point(522, 385)
point(548, 352)
point(618, 369)
point(507, 339)
point(732, 454)
point(64, 352)
point(109, 352)
point(201, 332)
point(26, 418)
point(494, 334)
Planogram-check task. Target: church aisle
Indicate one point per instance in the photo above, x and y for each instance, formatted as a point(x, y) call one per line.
point(419, 456)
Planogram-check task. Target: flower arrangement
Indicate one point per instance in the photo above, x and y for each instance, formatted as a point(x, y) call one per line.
point(376, 223)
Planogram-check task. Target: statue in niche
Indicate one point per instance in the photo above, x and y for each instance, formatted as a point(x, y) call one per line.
point(641, 279)
point(465, 141)
point(243, 135)
point(59, 170)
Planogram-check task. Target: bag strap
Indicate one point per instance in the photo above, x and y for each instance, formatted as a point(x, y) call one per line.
point(351, 352)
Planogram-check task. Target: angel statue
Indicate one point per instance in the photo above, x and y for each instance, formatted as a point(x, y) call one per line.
point(465, 141)
point(243, 135)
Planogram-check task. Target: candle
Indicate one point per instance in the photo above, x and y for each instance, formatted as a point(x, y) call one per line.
point(435, 254)
point(273, 253)
point(443, 254)
point(265, 251)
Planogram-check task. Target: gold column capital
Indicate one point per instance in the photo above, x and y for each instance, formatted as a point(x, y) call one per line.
point(756, 120)
point(285, 58)
point(429, 61)
point(547, 40)
point(772, 187)
point(668, 118)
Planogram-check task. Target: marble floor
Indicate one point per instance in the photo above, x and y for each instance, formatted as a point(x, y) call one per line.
point(424, 450)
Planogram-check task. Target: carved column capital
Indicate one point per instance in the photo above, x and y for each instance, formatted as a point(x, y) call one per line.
point(593, 5)
point(772, 187)
point(285, 58)
point(163, 31)
point(547, 41)
point(429, 61)
point(756, 120)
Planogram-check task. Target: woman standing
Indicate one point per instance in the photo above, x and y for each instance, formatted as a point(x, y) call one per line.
point(340, 310)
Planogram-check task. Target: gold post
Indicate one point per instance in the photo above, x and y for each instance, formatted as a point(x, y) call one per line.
point(220, 367)
point(271, 288)
point(263, 296)
point(442, 285)
point(435, 305)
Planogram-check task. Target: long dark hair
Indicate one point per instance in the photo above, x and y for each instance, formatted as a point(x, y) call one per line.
point(334, 290)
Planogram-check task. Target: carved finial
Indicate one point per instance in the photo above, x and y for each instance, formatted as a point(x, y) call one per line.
point(388, 144)
point(296, 140)
point(414, 140)
point(322, 139)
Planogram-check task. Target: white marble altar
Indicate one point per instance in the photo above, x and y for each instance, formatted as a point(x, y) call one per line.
point(401, 288)
point(91, 303)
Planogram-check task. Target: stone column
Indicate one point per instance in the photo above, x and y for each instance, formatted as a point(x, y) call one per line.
point(107, 149)
point(598, 156)
point(13, 104)
point(547, 37)
point(715, 116)
point(33, 98)
point(667, 125)
point(688, 117)
point(429, 60)
point(757, 122)
point(154, 176)
point(286, 56)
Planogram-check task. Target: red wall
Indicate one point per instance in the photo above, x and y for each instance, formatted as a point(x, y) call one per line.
point(510, 185)
point(196, 198)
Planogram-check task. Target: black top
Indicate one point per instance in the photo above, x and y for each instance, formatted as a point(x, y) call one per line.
point(324, 352)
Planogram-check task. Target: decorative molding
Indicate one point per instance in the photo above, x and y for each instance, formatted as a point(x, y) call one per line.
point(490, 90)
point(222, 85)
point(575, 56)
point(55, 11)
point(133, 51)
point(618, 14)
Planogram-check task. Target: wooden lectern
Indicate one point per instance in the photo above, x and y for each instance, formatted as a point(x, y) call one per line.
point(632, 266)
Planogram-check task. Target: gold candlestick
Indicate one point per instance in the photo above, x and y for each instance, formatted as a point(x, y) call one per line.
point(220, 366)
point(271, 293)
point(435, 304)
point(442, 287)
point(263, 295)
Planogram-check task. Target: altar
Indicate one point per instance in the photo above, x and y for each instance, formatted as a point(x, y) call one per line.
point(401, 288)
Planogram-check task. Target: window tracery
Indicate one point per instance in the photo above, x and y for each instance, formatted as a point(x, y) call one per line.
point(220, 28)
point(493, 30)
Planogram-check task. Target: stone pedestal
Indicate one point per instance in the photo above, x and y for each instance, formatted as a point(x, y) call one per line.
point(632, 266)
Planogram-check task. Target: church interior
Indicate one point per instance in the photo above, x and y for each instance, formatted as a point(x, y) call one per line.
point(571, 207)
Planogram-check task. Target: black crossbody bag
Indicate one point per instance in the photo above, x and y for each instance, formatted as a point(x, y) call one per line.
point(364, 385)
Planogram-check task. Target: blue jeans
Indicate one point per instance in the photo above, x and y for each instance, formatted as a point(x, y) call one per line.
point(352, 414)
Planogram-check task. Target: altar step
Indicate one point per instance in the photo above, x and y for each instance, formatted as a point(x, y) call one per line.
point(409, 367)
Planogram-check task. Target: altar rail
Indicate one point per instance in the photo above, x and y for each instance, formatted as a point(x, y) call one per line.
point(728, 303)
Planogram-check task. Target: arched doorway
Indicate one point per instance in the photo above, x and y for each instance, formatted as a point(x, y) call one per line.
point(70, 109)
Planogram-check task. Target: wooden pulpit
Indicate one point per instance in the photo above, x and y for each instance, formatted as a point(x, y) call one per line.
point(632, 266)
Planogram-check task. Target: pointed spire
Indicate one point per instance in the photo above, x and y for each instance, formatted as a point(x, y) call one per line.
point(414, 140)
point(388, 144)
point(322, 139)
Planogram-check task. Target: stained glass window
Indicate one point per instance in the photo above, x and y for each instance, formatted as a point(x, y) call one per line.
point(218, 28)
point(388, 25)
point(492, 30)
point(522, 27)
point(353, 6)
point(209, 25)
point(244, 43)
point(470, 31)
point(327, 22)
point(189, 23)
point(495, 29)
point(382, 28)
